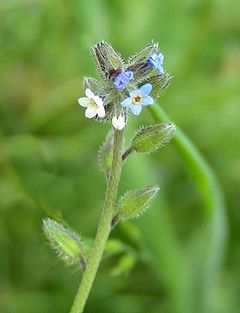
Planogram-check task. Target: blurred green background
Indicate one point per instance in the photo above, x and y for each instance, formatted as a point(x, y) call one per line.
point(48, 156)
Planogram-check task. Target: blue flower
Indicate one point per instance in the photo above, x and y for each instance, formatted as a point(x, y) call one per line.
point(156, 61)
point(122, 79)
point(138, 98)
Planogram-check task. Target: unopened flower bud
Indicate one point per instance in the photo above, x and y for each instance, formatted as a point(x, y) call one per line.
point(149, 139)
point(67, 243)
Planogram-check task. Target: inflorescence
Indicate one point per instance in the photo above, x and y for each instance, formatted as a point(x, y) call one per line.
point(124, 87)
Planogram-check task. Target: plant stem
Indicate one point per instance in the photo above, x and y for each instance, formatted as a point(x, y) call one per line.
point(104, 227)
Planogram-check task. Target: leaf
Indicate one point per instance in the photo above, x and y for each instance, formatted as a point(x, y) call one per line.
point(65, 242)
point(135, 203)
point(124, 265)
point(105, 154)
point(113, 247)
point(151, 138)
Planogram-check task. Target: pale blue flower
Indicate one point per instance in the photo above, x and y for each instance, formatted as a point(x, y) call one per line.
point(122, 79)
point(156, 61)
point(138, 98)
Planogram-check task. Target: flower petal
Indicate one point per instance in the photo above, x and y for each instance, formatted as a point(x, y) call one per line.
point(84, 101)
point(127, 102)
point(98, 100)
point(160, 70)
point(91, 111)
point(146, 89)
point(89, 93)
point(130, 74)
point(118, 122)
point(122, 79)
point(160, 58)
point(101, 111)
point(134, 92)
point(136, 109)
point(127, 76)
point(147, 100)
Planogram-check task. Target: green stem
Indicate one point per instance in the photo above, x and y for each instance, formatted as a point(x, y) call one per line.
point(104, 227)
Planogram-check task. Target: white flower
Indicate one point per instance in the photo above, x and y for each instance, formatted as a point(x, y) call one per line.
point(94, 104)
point(118, 122)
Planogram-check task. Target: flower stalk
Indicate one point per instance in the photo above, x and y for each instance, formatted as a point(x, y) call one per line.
point(104, 227)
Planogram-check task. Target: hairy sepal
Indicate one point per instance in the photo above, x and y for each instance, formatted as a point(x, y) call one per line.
point(134, 203)
point(159, 83)
point(107, 59)
point(149, 139)
point(65, 242)
point(139, 62)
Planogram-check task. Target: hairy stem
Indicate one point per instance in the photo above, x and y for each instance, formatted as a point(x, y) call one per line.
point(104, 227)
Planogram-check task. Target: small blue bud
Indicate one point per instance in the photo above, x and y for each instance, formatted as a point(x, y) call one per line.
point(156, 61)
point(122, 79)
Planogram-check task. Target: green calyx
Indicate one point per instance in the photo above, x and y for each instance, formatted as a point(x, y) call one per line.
point(65, 242)
point(151, 138)
point(134, 203)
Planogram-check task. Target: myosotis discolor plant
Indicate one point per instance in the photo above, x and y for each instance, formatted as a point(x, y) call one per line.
point(124, 89)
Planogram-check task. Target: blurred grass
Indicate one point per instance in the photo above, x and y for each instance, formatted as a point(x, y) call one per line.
point(48, 162)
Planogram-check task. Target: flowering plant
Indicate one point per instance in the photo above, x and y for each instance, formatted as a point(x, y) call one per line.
point(125, 88)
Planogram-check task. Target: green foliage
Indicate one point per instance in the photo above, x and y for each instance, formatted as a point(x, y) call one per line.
point(114, 246)
point(48, 154)
point(134, 203)
point(124, 265)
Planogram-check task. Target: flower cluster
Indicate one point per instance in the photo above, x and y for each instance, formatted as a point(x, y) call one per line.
point(124, 87)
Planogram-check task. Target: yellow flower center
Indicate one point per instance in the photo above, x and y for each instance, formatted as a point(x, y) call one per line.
point(137, 99)
point(93, 103)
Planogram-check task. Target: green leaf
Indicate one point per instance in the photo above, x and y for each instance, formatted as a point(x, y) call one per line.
point(105, 154)
point(134, 203)
point(124, 265)
point(151, 138)
point(65, 242)
point(113, 247)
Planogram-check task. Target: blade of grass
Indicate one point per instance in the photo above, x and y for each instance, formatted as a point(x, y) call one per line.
point(214, 208)
point(159, 241)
